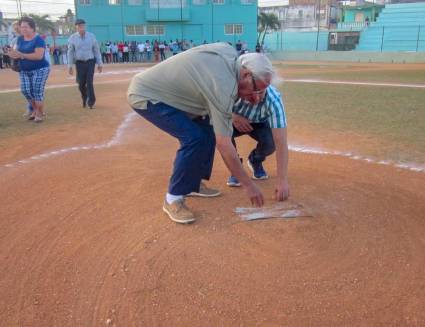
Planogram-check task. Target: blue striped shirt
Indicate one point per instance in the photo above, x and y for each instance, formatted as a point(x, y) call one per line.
point(271, 109)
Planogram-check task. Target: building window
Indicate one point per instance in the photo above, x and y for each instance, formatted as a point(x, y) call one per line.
point(135, 2)
point(155, 30)
point(199, 2)
point(145, 29)
point(85, 2)
point(114, 2)
point(247, 2)
point(167, 3)
point(135, 29)
point(218, 2)
point(233, 29)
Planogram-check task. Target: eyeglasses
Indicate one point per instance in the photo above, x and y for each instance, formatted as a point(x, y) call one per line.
point(256, 90)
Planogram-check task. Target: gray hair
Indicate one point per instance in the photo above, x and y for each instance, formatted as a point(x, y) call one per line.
point(258, 64)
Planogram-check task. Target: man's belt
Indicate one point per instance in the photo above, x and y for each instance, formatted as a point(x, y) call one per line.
point(84, 61)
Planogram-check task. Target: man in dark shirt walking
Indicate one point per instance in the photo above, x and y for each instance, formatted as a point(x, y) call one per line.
point(83, 49)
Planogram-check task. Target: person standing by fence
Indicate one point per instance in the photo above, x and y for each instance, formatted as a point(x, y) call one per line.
point(83, 49)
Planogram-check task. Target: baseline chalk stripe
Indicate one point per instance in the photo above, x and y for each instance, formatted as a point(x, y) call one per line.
point(415, 86)
point(279, 80)
point(115, 140)
point(409, 166)
point(116, 72)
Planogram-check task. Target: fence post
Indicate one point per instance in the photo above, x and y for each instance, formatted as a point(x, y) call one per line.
point(382, 39)
point(281, 37)
point(417, 40)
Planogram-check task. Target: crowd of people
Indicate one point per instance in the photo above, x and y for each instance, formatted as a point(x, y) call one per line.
point(123, 51)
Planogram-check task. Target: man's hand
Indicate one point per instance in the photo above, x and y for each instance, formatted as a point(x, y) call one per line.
point(241, 123)
point(231, 159)
point(70, 71)
point(282, 191)
point(99, 69)
point(255, 195)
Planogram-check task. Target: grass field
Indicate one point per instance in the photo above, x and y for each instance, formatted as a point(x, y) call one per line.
point(377, 121)
point(395, 116)
point(351, 72)
point(62, 107)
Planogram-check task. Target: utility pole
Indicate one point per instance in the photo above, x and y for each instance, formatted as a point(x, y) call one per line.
point(318, 29)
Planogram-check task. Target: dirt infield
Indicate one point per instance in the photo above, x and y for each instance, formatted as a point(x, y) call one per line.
point(83, 240)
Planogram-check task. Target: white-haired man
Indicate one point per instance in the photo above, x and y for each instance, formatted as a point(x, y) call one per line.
point(194, 104)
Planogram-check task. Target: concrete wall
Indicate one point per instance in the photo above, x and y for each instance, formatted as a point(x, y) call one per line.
point(296, 41)
point(350, 56)
point(196, 20)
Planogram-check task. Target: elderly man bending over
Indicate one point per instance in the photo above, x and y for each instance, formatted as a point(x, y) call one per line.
point(194, 104)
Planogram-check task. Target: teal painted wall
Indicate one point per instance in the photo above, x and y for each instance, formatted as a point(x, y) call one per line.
point(350, 14)
point(296, 41)
point(350, 56)
point(193, 22)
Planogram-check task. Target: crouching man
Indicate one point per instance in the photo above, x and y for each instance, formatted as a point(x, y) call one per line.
point(265, 122)
point(194, 105)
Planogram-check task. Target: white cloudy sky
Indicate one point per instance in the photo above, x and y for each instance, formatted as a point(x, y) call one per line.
point(59, 7)
point(53, 8)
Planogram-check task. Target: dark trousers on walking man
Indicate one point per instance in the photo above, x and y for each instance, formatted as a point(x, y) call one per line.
point(85, 74)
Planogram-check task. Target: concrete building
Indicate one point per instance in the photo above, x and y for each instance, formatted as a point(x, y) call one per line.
point(197, 20)
point(303, 15)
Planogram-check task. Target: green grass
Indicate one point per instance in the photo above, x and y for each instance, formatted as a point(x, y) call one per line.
point(396, 116)
point(349, 72)
point(390, 76)
point(63, 106)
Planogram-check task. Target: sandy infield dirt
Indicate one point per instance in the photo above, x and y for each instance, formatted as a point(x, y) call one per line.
point(84, 242)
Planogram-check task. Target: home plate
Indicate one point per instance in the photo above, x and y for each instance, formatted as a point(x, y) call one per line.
point(281, 210)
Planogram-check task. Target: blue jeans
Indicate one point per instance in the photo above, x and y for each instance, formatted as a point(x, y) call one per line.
point(195, 157)
point(262, 133)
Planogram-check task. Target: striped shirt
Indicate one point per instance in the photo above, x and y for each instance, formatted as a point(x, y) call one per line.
point(271, 109)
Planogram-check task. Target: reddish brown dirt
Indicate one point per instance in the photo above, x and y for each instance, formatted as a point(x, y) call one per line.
point(83, 241)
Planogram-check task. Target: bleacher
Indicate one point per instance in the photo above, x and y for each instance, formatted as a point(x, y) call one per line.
point(399, 27)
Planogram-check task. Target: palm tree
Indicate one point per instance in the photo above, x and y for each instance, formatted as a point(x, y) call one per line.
point(266, 22)
point(43, 23)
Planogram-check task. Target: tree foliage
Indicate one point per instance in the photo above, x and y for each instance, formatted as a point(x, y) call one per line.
point(266, 22)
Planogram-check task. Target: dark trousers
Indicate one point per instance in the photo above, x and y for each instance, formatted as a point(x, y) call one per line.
point(195, 157)
point(85, 73)
point(262, 133)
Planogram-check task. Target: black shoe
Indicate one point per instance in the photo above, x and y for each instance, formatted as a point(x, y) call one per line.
point(84, 104)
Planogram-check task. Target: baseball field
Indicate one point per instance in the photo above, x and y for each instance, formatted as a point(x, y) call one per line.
point(84, 242)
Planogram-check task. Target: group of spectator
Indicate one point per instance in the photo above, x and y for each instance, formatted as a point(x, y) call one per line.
point(55, 55)
point(116, 52)
point(124, 52)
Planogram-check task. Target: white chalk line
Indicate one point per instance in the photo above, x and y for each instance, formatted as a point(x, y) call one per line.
point(418, 86)
point(409, 166)
point(116, 72)
point(115, 140)
point(59, 86)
